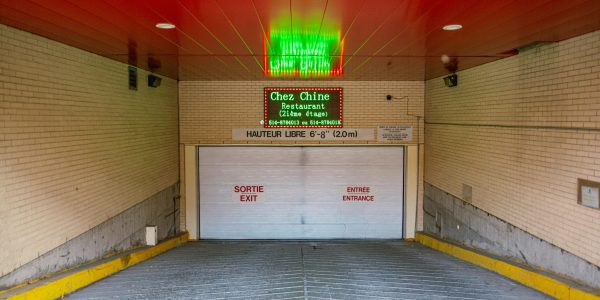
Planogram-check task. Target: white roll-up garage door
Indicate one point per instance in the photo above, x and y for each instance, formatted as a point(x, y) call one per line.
point(300, 192)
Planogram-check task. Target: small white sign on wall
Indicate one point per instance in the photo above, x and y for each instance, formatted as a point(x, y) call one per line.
point(589, 196)
point(151, 235)
point(301, 134)
point(589, 193)
point(394, 133)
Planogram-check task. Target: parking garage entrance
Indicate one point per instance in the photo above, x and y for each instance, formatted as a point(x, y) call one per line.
point(301, 192)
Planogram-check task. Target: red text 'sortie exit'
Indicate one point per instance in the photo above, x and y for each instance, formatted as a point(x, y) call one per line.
point(249, 189)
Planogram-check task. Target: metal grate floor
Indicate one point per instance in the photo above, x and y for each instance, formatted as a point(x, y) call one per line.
point(305, 270)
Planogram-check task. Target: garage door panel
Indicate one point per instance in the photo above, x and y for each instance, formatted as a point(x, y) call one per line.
point(353, 231)
point(250, 156)
point(285, 217)
point(249, 230)
point(280, 214)
point(352, 156)
point(352, 214)
point(326, 231)
point(302, 192)
point(346, 175)
point(334, 192)
point(250, 175)
point(316, 231)
point(216, 192)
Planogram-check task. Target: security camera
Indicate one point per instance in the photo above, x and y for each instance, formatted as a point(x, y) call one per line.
point(154, 81)
point(451, 80)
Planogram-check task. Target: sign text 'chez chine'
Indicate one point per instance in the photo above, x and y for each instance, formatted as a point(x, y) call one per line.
point(303, 108)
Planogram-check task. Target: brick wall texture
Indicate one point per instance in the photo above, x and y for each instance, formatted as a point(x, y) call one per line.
point(521, 131)
point(209, 110)
point(76, 145)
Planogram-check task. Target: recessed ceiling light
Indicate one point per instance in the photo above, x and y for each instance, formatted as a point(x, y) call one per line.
point(165, 25)
point(452, 27)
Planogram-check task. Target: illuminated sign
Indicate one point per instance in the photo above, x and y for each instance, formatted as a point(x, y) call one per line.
point(303, 54)
point(303, 108)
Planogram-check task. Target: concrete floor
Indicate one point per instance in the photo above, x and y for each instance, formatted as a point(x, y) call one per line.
point(305, 270)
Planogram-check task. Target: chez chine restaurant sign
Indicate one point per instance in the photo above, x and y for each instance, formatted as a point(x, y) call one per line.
point(303, 108)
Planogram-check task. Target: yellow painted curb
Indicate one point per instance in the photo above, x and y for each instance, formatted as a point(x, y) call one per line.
point(68, 284)
point(542, 283)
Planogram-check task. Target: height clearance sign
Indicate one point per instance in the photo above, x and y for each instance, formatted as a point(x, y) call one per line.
point(303, 108)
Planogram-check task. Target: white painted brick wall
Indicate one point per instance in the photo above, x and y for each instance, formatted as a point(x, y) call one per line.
point(77, 146)
point(210, 109)
point(524, 170)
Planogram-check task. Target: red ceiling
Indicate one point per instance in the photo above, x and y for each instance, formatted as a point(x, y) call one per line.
point(223, 39)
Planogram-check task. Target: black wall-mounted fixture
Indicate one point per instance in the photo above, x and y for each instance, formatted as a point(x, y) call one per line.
point(451, 80)
point(132, 71)
point(154, 81)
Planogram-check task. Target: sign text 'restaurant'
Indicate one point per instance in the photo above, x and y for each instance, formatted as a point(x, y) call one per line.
point(303, 108)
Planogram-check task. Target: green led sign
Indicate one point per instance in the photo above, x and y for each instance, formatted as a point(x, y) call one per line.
point(303, 54)
point(303, 108)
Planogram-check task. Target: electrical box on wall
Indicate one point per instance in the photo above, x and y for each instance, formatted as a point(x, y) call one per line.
point(467, 193)
point(151, 235)
point(588, 193)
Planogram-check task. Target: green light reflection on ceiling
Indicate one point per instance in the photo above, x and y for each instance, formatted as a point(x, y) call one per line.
point(303, 52)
